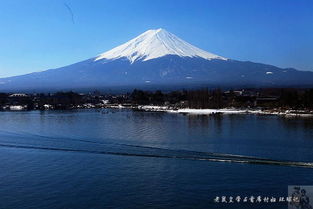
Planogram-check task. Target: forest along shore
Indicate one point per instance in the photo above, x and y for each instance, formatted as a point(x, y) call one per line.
point(286, 102)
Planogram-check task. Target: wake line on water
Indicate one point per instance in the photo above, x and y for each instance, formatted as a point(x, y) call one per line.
point(51, 138)
point(210, 154)
point(180, 154)
point(213, 158)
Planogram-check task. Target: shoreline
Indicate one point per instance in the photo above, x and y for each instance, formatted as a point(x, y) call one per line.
point(227, 111)
point(185, 111)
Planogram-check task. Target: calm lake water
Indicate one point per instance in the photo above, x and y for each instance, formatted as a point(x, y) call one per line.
point(124, 159)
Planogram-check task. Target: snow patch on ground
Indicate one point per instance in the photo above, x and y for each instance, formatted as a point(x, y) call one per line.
point(287, 113)
point(17, 107)
point(215, 111)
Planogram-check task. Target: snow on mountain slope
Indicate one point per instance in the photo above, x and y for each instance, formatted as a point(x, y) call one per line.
point(153, 44)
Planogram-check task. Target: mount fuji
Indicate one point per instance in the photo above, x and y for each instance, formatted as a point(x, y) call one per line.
point(157, 58)
point(154, 44)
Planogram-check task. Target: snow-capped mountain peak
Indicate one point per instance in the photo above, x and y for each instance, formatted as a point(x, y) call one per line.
point(153, 44)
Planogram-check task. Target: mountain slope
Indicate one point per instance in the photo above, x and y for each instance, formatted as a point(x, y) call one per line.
point(157, 58)
point(154, 44)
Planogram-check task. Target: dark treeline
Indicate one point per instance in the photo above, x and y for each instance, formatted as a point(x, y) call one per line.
point(205, 98)
point(59, 100)
point(200, 99)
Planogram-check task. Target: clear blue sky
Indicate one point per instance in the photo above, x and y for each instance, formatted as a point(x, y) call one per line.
point(36, 35)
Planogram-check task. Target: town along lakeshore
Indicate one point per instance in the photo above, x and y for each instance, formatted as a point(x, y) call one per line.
point(271, 100)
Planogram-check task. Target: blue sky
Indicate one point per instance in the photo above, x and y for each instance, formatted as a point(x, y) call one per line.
point(40, 34)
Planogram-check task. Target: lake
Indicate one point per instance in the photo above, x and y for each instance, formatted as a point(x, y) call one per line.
point(126, 159)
